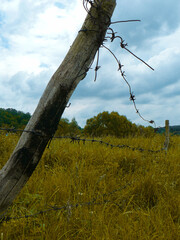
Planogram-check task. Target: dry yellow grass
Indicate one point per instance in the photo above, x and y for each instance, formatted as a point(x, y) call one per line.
point(121, 194)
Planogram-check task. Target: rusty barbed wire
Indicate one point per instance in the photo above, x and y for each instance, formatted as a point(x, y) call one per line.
point(67, 106)
point(97, 65)
point(84, 140)
point(14, 130)
point(132, 96)
point(92, 202)
point(124, 21)
point(53, 208)
point(93, 4)
point(123, 45)
point(77, 139)
point(85, 5)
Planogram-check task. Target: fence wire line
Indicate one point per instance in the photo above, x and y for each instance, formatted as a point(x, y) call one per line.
point(68, 207)
point(77, 139)
point(84, 140)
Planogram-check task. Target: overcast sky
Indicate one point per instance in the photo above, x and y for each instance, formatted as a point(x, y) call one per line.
point(36, 35)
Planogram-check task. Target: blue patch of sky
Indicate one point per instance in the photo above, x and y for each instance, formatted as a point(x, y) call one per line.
point(59, 5)
point(39, 36)
point(1, 18)
point(44, 65)
point(4, 42)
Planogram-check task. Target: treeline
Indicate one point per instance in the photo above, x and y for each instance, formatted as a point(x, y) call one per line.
point(104, 124)
point(12, 118)
point(175, 130)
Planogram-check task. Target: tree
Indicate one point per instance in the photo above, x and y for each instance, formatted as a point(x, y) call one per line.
point(66, 128)
point(13, 118)
point(108, 124)
point(74, 128)
point(113, 124)
point(145, 131)
point(44, 122)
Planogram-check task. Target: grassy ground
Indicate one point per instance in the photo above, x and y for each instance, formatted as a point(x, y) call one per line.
point(104, 193)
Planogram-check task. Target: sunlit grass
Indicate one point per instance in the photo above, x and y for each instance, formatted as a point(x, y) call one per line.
point(121, 194)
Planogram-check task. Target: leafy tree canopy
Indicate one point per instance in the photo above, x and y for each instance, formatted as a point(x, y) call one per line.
point(12, 118)
point(113, 124)
point(66, 128)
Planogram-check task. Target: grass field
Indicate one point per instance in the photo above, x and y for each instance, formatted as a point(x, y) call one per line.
point(104, 193)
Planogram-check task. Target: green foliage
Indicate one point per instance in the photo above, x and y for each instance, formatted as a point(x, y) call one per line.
point(12, 118)
point(131, 195)
point(175, 130)
point(66, 128)
point(113, 124)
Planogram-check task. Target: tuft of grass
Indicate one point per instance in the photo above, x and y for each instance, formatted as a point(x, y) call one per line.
point(104, 193)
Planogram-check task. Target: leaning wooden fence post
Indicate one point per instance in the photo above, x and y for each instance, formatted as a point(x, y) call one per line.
point(166, 143)
point(45, 119)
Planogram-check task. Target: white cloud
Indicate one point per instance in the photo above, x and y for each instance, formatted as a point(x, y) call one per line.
point(35, 36)
point(38, 32)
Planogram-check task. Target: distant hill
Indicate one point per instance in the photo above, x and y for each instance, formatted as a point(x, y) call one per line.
point(173, 129)
point(12, 118)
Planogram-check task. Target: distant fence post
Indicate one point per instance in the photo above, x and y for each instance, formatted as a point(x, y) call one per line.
point(166, 143)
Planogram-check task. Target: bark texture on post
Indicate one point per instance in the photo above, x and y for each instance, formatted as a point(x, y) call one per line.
point(45, 119)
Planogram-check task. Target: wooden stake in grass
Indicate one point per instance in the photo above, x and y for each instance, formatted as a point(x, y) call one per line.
point(45, 119)
point(166, 143)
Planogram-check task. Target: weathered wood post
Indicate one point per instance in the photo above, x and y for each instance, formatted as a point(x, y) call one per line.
point(166, 143)
point(45, 119)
